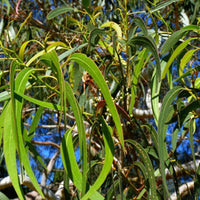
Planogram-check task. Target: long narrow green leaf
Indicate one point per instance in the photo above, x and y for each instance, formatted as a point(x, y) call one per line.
point(10, 137)
point(166, 113)
point(58, 11)
point(94, 36)
point(35, 122)
point(81, 131)
point(69, 160)
point(109, 153)
point(9, 147)
point(175, 37)
point(93, 70)
point(163, 4)
point(154, 134)
point(142, 168)
point(149, 168)
point(177, 51)
point(137, 70)
point(3, 197)
point(186, 58)
point(23, 47)
point(148, 42)
point(38, 102)
point(140, 23)
point(67, 53)
point(192, 129)
point(70, 164)
point(2, 117)
point(155, 91)
point(20, 85)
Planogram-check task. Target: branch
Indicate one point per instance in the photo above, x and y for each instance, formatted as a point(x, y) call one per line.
point(184, 169)
point(49, 168)
point(45, 143)
point(6, 182)
point(183, 190)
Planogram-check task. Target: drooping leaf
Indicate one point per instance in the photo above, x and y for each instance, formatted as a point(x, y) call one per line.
point(93, 70)
point(149, 168)
point(70, 164)
point(137, 70)
point(9, 147)
point(176, 36)
point(35, 154)
point(38, 102)
point(192, 129)
point(142, 168)
point(166, 113)
point(140, 23)
point(197, 183)
point(187, 73)
point(69, 160)
point(7, 3)
point(154, 134)
point(81, 130)
point(1, 26)
point(155, 90)
point(148, 42)
point(20, 85)
point(10, 137)
point(94, 36)
point(23, 48)
point(183, 113)
point(109, 153)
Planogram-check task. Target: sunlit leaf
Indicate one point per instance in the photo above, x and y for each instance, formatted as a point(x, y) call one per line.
point(35, 122)
point(137, 70)
point(192, 130)
point(177, 51)
point(4, 96)
point(9, 147)
point(70, 164)
point(20, 85)
point(23, 47)
point(186, 58)
point(82, 137)
point(115, 26)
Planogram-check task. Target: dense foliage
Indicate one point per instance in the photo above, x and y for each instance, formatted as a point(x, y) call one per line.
point(100, 99)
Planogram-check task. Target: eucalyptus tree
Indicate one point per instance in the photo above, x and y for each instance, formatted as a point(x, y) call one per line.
point(115, 81)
